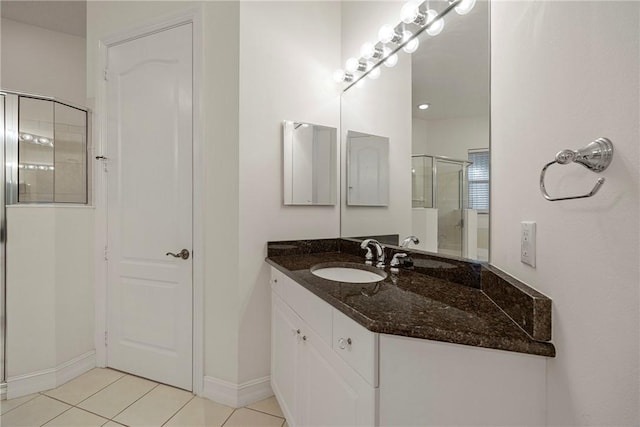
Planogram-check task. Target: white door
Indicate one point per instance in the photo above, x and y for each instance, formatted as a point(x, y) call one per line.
point(149, 206)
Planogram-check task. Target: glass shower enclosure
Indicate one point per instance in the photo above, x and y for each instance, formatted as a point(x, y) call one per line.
point(441, 183)
point(44, 150)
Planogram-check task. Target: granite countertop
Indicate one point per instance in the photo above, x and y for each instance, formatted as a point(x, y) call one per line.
point(414, 304)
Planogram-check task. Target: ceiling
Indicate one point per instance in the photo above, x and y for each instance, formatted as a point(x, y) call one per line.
point(450, 71)
point(64, 16)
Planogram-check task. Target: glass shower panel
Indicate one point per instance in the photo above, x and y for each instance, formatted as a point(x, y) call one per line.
point(70, 154)
point(422, 182)
point(35, 150)
point(449, 196)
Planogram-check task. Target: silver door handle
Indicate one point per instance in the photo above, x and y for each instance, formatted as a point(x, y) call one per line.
point(184, 254)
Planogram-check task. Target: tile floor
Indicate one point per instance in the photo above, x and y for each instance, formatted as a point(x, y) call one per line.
point(104, 397)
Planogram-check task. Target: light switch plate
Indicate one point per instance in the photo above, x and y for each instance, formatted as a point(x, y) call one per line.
point(528, 242)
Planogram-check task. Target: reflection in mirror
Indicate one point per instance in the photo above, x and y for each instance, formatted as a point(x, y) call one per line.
point(447, 148)
point(309, 164)
point(367, 169)
point(35, 150)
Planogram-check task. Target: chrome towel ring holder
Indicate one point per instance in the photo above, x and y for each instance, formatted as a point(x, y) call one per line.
point(596, 157)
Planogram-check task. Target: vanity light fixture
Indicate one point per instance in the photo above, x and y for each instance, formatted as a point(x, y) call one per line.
point(423, 106)
point(416, 17)
point(35, 166)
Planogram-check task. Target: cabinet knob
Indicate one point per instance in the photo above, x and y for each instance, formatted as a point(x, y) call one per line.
point(342, 343)
point(304, 338)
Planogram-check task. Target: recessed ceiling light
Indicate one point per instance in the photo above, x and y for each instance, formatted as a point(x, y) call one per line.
point(423, 106)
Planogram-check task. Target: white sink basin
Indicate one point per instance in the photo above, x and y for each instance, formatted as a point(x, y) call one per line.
point(348, 272)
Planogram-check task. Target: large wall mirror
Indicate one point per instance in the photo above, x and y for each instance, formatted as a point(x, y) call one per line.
point(433, 107)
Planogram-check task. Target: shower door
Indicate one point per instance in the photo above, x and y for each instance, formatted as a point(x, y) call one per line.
point(449, 201)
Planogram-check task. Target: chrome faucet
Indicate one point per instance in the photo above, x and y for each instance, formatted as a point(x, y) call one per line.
point(411, 239)
point(379, 252)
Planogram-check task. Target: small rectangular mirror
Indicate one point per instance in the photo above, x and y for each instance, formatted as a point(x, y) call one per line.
point(310, 159)
point(367, 169)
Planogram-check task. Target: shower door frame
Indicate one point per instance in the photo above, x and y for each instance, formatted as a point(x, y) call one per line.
point(3, 258)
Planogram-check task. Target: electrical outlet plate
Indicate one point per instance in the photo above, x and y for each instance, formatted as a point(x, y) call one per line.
point(528, 242)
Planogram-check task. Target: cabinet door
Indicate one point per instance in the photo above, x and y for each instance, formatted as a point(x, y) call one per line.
point(332, 393)
point(285, 349)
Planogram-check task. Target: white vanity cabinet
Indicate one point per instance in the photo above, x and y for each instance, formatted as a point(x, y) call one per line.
point(314, 385)
point(327, 370)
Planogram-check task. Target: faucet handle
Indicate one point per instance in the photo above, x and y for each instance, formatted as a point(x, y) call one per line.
point(410, 239)
point(395, 261)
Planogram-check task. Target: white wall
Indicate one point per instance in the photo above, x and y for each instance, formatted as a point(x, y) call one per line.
point(450, 137)
point(44, 62)
point(50, 286)
point(381, 107)
point(288, 52)
point(563, 74)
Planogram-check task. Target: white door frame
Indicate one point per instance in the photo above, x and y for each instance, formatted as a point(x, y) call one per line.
point(191, 15)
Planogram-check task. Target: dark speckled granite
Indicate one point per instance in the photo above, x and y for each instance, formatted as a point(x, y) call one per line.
point(413, 304)
point(527, 307)
point(299, 247)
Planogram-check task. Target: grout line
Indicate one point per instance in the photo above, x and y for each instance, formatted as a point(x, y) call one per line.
point(27, 401)
point(232, 412)
point(113, 382)
point(48, 421)
point(263, 412)
point(97, 415)
point(113, 418)
point(179, 409)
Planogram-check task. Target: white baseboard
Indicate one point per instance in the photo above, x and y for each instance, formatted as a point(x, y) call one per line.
point(3, 391)
point(237, 395)
point(46, 379)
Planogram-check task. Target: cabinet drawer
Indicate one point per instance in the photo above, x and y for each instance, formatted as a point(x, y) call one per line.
point(357, 346)
point(315, 312)
point(277, 282)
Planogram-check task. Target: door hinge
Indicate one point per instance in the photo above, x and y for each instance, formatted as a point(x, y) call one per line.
point(106, 74)
point(106, 338)
point(106, 253)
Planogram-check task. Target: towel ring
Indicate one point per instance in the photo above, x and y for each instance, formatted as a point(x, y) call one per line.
point(596, 157)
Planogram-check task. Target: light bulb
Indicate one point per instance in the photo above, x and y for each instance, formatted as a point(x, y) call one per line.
point(43, 140)
point(367, 50)
point(412, 46)
point(465, 6)
point(388, 34)
point(436, 27)
point(391, 60)
point(339, 76)
point(354, 65)
point(423, 106)
point(409, 12)
point(26, 137)
point(374, 73)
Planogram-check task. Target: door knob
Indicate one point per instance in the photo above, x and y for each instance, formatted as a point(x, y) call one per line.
point(184, 254)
